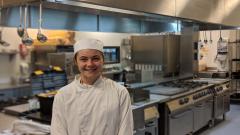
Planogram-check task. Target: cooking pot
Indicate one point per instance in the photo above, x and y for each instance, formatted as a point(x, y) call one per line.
point(46, 102)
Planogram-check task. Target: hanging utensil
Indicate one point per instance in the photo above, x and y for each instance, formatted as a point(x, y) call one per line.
point(205, 37)
point(26, 39)
point(2, 42)
point(210, 38)
point(20, 29)
point(237, 36)
point(40, 37)
point(220, 33)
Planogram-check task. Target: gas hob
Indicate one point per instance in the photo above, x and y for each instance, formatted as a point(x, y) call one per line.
point(175, 87)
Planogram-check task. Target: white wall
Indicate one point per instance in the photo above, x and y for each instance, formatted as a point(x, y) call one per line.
point(210, 49)
point(10, 67)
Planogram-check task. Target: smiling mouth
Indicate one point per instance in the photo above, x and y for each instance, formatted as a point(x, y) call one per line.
point(90, 70)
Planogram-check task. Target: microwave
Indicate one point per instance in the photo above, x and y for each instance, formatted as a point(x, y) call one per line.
point(111, 54)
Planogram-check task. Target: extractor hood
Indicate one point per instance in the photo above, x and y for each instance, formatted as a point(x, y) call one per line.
point(80, 15)
point(82, 6)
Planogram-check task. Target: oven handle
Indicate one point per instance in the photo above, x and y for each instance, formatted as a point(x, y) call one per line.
point(200, 105)
point(181, 114)
point(142, 129)
point(210, 101)
point(150, 124)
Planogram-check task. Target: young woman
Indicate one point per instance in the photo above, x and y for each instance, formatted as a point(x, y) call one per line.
point(91, 104)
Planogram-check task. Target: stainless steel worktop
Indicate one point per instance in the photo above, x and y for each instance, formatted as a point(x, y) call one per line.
point(215, 81)
point(12, 86)
point(155, 89)
point(154, 99)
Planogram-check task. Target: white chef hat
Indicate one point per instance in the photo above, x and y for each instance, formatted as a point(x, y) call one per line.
point(88, 44)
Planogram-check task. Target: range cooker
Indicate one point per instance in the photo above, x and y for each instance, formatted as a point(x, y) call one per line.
point(172, 88)
point(189, 110)
point(221, 96)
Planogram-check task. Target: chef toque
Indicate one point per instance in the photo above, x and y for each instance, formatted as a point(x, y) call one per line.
point(88, 44)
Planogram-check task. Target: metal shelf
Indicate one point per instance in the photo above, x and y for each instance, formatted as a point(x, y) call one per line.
point(11, 54)
point(235, 60)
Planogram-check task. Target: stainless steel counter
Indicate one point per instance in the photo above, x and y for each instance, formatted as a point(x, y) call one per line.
point(154, 99)
point(181, 94)
point(157, 80)
point(12, 86)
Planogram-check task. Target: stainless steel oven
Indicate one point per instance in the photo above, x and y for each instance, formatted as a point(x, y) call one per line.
point(180, 116)
point(221, 100)
point(181, 122)
point(203, 108)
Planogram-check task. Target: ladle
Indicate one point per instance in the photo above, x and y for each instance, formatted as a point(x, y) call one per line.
point(20, 29)
point(26, 39)
point(210, 40)
point(40, 37)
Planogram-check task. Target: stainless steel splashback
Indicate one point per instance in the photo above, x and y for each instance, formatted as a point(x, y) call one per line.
point(157, 50)
point(171, 53)
point(147, 49)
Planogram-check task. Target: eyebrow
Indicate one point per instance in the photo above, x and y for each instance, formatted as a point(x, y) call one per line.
point(89, 57)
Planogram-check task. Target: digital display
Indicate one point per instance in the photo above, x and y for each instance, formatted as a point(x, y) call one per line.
point(111, 54)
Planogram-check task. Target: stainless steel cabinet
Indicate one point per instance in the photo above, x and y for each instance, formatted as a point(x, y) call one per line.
point(226, 102)
point(203, 111)
point(181, 123)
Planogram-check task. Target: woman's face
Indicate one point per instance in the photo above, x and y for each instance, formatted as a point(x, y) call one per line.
point(90, 63)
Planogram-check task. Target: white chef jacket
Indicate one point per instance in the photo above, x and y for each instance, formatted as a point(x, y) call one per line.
point(103, 108)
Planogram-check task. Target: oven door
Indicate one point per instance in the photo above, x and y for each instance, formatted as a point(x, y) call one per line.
point(203, 111)
point(218, 105)
point(181, 122)
point(226, 101)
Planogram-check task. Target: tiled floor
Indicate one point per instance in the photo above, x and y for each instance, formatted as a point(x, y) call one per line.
point(231, 126)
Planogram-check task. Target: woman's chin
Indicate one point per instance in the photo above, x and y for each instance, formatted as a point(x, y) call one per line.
point(91, 75)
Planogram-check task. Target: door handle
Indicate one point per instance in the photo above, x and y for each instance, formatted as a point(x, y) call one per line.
point(200, 105)
point(181, 114)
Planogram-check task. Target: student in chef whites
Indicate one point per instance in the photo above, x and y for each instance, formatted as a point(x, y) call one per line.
point(91, 104)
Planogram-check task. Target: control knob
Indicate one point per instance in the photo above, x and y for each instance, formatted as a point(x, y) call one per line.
point(181, 101)
point(186, 100)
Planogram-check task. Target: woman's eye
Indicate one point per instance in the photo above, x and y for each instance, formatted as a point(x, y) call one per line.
point(96, 59)
point(83, 59)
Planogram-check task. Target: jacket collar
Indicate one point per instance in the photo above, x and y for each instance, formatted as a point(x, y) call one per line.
point(97, 83)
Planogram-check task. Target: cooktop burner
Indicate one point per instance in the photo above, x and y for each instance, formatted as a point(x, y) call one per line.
point(184, 84)
point(175, 87)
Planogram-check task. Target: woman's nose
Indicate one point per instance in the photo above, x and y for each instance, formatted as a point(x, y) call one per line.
point(89, 62)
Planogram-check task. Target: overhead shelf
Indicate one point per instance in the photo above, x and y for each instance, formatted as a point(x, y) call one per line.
point(11, 54)
point(235, 59)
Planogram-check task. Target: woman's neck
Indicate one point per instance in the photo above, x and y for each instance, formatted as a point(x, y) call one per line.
point(88, 81)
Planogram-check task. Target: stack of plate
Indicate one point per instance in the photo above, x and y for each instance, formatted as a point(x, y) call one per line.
point(37, 84)
point(59, 79)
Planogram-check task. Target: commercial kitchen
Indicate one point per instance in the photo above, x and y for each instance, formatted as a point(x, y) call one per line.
point(178, 59)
